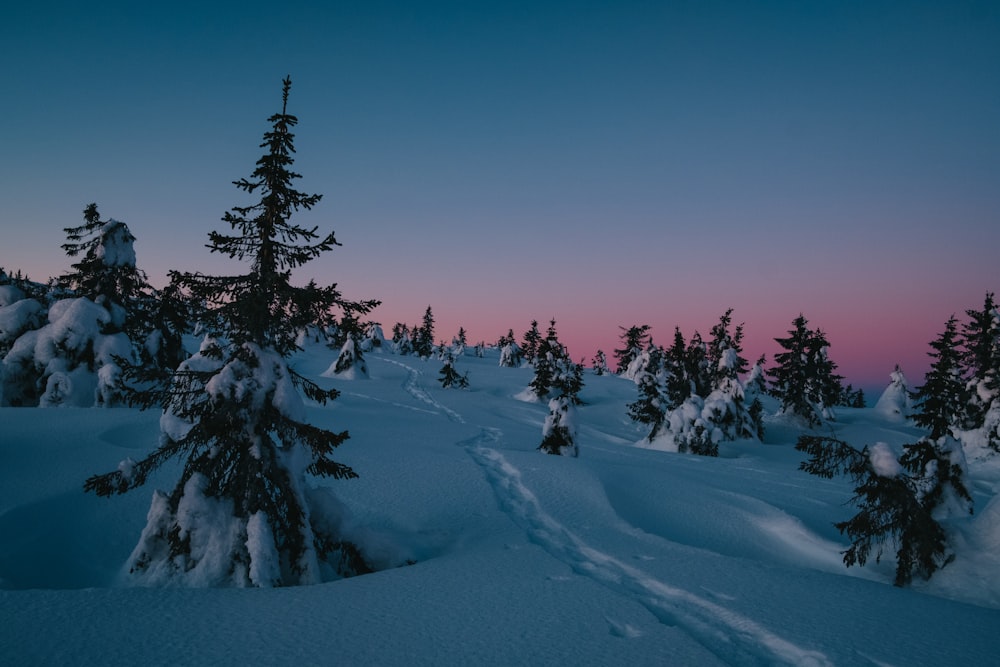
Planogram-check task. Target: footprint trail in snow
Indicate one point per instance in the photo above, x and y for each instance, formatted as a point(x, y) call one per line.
point(733, 637)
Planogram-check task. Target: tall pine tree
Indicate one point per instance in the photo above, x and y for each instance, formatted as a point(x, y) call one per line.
point(241, 513)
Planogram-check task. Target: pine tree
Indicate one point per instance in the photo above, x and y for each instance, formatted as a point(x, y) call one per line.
point(899, 498)
point(981, 362)
point(529, 345)
point(804, 379)
point(234, 414)
point(559, 430)
point(634, 340)
point(459, 342)
point(107, 273)
point(451, 377)
point(97, 324)
point(650, 408)
point(678, 383)
point(600, 363)
point(423, 341)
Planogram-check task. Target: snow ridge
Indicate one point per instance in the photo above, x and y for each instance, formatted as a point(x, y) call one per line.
point(735, 638)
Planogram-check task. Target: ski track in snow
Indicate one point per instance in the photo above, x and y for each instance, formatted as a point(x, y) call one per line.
point(734, 638)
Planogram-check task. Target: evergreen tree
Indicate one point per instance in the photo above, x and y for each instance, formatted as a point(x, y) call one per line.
point(724, 351)
point(859, 399)
point(697, 366)
point(529, 345)
point(451, 377)
point(678, 382)
point(402, 341)
point(106, 273)
point(600, 363)
point(899, 498)
point(459, 342)
point(423, 341)
point(510, 352)
point(559, 430)
point(96, 326)
point(350, 362)
point(981, 361)
point(896, 402)
point(234, 413)
point(650, 408)
point(634, 340)
point(804, 379)
point(555, 372)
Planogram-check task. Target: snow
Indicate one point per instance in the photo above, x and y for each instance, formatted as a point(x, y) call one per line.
point(896, 401)
point(884, 460)
point(624, 555)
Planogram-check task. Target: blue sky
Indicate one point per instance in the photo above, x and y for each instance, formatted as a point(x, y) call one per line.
point(606, 164)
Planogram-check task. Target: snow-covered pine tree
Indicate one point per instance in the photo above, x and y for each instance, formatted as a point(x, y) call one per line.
point(242, 513)
point(697, 366)
point(372, 338)
point(350, 363)
point(402, 341)
point(634, 340)
point(650, 408)
point(725, 405)
point(803, 378)
point(423, 339)
point(19, 313)
point(754, 387)
point(981, 361)
point(940, 401)
point(451, 377)
point(559, 430)
point(900, 497)
point(600, 363)
point(96, 323)
point(678, 383)
point(565, 380)
point(459, 342)
point(529, 344)
point(896, 402)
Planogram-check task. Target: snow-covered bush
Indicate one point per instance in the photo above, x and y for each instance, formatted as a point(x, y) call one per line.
point(896, 401)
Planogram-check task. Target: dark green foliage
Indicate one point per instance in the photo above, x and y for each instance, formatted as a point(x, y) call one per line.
point(941, 401)
point(103, 280)
point(697, 368)
point(634, 340)
point(599, 363)
point(803, 378)
point(555, 372)
point(650, 408)
point(894, 510)
point(423, 336)
point(451, 377)
point(236, 395)
point(558, 437)
point(529, 345)
point(678, 384)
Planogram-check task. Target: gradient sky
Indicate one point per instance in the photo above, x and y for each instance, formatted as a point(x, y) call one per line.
point(603, 163)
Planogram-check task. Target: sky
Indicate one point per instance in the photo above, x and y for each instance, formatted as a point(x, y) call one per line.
point(606, 164)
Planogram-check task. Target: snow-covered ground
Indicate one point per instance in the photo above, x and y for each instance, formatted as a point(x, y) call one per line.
point(625, 555)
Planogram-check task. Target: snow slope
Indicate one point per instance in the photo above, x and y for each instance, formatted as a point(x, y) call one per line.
point(625, 555)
